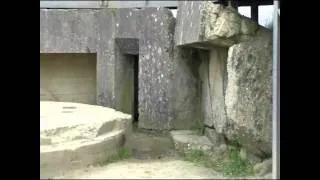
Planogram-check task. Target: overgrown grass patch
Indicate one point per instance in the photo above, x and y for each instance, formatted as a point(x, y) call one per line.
point(123, 153)
point(195, 155)
point(231, 164)
point(235, 165)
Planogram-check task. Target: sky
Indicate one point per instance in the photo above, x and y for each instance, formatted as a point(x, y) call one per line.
point(265, 13)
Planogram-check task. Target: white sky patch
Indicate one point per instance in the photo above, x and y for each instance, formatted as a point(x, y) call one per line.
point(174, 12)
point(265, 13)
point(245, 11)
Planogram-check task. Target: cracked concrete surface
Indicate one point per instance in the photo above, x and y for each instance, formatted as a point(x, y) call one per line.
point(74, 135)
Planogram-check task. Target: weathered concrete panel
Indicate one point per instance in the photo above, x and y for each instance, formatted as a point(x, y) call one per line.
point(126, 22)
point(214, 89)
point(188, 27)
point(105, 58)
point(186, 88)
point(66, 31)
point(248, 96)
point(68, 78)
point(155, 67)
point(128, 45)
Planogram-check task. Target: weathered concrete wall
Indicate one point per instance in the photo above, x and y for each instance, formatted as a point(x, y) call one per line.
point(214, 88)
point(202, 24)
point(68, 77)
point(249, 94)
point(188, 26)
point(124, 92)
point(226, 84)
point(81, 31)
point(153, 29)
point(68, 31)
point(186, 88)
point(155, 67)
point(213, 75)
point(236, 78)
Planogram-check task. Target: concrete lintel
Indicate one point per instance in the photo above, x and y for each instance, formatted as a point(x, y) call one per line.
point(72, 4)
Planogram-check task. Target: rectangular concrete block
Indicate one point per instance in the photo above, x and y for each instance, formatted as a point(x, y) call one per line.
point(155, 67)
point(202, 24)
point(216, 138)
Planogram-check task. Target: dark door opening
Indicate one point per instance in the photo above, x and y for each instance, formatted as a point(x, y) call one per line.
point(127, 75)
point(135, 89)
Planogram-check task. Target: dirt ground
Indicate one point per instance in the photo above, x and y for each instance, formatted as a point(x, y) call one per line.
point(153, 157)
point(146, 169)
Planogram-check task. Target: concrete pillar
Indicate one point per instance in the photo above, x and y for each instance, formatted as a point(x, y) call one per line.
point(276, 94)
point(233, 3)
point(254, 11)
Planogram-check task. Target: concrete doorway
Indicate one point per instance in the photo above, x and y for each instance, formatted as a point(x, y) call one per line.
point(127, 77)
point(135, 98)
point(129, 87)
point(68, 77)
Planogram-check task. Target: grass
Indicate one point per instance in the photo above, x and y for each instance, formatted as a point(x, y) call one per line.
point(231, 165)
point(123, 153)
point(235, 165)
point(195, 155)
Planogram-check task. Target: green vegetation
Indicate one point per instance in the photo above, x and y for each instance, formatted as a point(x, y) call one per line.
point(123, 153)
point(235, 165)
point(231, 164)
point(195, 155)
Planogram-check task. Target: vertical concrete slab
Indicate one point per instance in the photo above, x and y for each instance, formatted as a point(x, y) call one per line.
point(105, 58)
point(155, 61)
point(188, 27)
point(186, 88)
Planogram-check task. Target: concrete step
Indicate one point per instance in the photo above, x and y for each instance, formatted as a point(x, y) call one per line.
point(185, 140)
point(74, 135)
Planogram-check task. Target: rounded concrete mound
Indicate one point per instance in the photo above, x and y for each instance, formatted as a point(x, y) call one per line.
point(74, 135)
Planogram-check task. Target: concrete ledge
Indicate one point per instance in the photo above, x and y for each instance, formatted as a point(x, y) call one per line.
point(74, 135)
point(72, 4)
point(186, 140)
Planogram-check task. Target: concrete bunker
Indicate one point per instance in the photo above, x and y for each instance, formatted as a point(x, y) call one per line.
point(68, 77)
point(125, 53)
point(215, 71)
